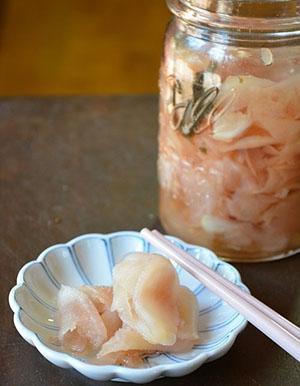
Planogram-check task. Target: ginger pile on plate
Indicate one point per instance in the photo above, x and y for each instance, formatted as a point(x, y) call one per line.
point(146, 311)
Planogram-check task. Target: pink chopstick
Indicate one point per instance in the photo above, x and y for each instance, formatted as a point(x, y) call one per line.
point(272, 324)
point(292, 328)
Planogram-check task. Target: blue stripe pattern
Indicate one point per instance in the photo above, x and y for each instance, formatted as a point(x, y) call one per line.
point(217, 336)
point(212, 307)
point(49, 274)
point(38, 299)
point(78, 267)
point(111, 259)
point(47, 326)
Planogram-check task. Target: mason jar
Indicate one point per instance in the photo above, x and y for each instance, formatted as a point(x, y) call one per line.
point(229, 141)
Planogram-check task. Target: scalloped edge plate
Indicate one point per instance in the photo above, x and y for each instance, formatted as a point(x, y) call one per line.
point(172, 365)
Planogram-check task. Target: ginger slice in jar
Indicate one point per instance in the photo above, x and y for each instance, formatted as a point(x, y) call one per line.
point(248, 142)
point(81, 328)
point(284, 130)
point(214, 224)
point(244, 89)
point(231, 231)
point(145, 296)
point(230, 126)
point(249, 207)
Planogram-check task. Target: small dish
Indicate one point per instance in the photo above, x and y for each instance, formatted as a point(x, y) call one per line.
point(89, 259)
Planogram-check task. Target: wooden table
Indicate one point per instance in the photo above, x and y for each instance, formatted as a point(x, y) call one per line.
point(87, 164)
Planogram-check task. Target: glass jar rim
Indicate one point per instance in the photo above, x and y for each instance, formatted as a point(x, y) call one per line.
point(229, 15)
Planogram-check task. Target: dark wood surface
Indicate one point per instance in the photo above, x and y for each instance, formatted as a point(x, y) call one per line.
point(87, 164)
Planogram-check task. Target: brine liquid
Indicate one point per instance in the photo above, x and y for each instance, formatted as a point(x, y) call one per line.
point(232, 184)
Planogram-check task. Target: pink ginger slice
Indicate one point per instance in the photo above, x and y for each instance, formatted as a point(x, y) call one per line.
point(146, 291)
point(81, 328)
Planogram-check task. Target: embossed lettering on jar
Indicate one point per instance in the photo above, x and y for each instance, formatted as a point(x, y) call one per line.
point(229, 141)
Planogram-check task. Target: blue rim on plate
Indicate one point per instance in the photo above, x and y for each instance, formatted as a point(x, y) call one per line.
point(89, 259)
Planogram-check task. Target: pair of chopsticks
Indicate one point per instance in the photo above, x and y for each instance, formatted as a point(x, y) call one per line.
point(268, 321)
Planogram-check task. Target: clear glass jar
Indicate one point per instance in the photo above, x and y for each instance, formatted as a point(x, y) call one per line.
point(229, 141)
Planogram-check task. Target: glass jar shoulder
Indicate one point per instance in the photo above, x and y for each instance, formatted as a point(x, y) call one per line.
point(186, 54)
point(229, 161)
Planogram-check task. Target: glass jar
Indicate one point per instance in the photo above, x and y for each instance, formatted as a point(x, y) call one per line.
point(229, 141)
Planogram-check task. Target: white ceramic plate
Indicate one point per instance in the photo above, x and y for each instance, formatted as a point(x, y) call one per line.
point(89, 259)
